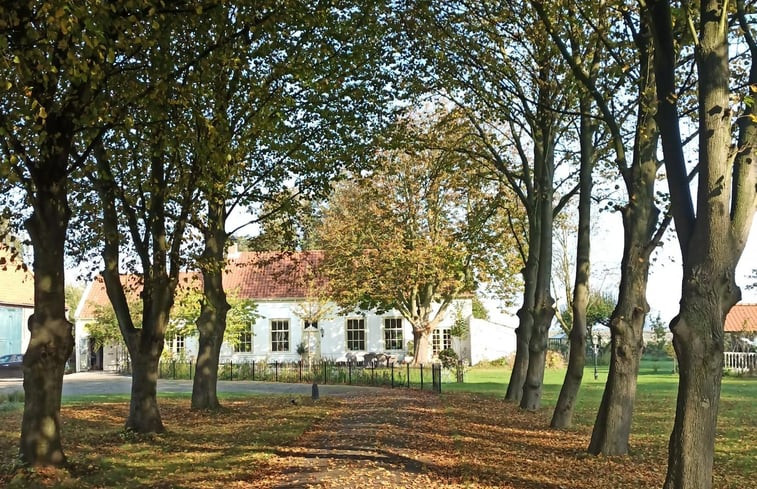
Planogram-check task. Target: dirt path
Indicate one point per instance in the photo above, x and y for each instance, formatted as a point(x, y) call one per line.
point(394, 440)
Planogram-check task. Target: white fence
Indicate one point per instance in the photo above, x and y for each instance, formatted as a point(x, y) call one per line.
point(740, 362)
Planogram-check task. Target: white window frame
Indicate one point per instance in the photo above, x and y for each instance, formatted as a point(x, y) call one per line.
point(398, 329)
point(287, 342)
point(347, 332)
point(247, 334)
point(440, 338)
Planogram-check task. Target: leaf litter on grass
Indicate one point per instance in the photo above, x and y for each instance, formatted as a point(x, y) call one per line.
point(400, 438)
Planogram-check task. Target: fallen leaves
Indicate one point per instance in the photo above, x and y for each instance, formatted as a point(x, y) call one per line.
point(396, 438)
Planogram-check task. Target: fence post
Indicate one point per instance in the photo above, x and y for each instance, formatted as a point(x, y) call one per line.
point(300, 370)
point(231, 370)
point(408, 375)
point(190, 370)
point(276, 371)
point(392, 376)
point(349, 373)
point(373, 371)
point(421, 376)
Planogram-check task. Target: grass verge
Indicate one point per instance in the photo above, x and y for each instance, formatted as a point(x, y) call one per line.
point(735, 446)
point(198, 450)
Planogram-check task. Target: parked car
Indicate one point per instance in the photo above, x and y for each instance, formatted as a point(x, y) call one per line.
point(12, 365)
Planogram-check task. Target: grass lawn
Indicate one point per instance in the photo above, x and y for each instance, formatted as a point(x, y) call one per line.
point(736, 444)
point(490, 443)
point(198, 450)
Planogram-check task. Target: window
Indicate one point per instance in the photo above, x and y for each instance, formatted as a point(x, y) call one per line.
point(393, 334)
point(280, 335)
point(440, 340)
point(356, 334)
point(179, 344)
point(244, 342)
point(311, 324)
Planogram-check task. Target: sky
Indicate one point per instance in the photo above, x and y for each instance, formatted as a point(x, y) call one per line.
point(664, 288)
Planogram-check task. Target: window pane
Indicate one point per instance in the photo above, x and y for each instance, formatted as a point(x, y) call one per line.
point(393, 334)
point(355, 334)
point(280, 335)
point(244, 342)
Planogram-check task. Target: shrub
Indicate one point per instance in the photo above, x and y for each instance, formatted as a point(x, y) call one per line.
point(448, 357)
point(11, 400)
point(555, 360)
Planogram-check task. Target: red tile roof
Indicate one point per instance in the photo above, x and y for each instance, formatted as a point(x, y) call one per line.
point(248, 275)
point(742, 318)
point(270, 275)
point(16, 281)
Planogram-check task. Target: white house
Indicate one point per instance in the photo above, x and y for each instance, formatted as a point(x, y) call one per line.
point(282, 287)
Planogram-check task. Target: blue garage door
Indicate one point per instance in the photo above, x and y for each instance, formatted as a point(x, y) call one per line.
point(10, 330)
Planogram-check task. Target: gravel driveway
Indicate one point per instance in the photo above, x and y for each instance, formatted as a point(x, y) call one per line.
point(96, 383)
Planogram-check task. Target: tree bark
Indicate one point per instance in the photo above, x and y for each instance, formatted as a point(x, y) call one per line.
point(613, 424)
point(544, 209)
point(158, 283)
point(698, 340)
point(421, 345)
point(211, 323)
point(612, 427)
point(144, 415)
point(523, 332)
point(712, 239)
point(562, 417)
point(51, 339)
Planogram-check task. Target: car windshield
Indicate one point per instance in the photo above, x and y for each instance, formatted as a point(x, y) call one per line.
point(10, 358)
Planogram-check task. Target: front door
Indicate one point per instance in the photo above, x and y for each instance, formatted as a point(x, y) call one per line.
point(11, 324)
point(311, 336)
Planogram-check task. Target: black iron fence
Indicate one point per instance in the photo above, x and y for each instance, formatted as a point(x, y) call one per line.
point(423, 377)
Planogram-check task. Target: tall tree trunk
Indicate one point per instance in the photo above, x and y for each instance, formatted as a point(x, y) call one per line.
point(612, 427)
point(421, 345)
point(211, 323)
point(525, 328)
point(641, 234)
point(144, 415)
point(537, 351)
point(708, 295)
point(51, 339)
point(613, 424)
point(544, 169)
point(562, 416)
point(712, 239)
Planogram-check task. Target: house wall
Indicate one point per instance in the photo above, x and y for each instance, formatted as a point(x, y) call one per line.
point(333, 342)
point(489, 341)
point(332, 336)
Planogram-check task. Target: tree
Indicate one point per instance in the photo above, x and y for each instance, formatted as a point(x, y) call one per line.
point(278, 114)
point(146, 183)
point(416, 232)
point(563, 413)
point(625, 48)
point(712, 230)
point(491, 60)
point(59, 57)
